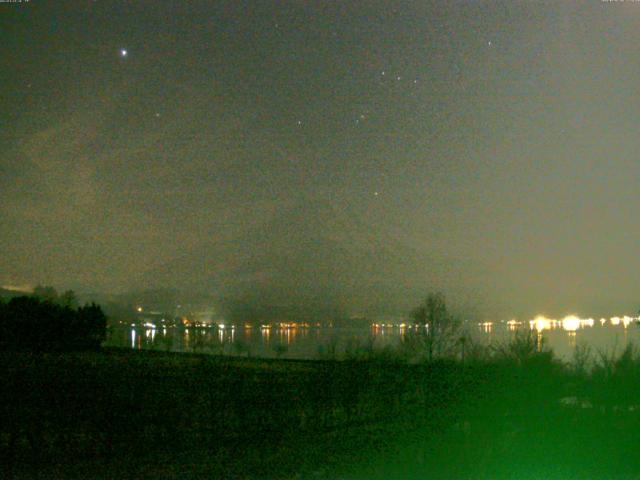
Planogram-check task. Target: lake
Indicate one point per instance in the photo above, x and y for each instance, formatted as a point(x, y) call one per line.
point(314, 341)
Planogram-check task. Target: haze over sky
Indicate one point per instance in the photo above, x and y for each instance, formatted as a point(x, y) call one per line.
point(487, 149)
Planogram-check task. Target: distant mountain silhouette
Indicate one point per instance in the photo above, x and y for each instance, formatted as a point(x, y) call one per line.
point(313, 256)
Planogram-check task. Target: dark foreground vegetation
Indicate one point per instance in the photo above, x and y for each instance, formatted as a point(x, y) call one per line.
point(436, 407)
point(512, 412)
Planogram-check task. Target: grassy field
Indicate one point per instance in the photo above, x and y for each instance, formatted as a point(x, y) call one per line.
point(125, 414)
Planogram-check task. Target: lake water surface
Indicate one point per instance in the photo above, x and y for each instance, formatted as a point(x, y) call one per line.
point(311, 342)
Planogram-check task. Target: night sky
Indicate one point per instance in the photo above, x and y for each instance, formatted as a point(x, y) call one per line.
point(362, 152)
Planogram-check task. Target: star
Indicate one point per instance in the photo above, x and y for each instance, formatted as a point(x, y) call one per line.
point(123, 52)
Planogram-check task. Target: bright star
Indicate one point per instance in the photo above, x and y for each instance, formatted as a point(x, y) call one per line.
point(123, 52)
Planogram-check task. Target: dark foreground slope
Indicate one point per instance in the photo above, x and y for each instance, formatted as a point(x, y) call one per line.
point(122, 414)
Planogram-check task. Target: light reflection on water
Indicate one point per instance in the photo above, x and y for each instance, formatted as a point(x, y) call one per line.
point(289, 340)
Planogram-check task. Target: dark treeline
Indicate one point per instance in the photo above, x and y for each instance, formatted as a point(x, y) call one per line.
point(52, 324)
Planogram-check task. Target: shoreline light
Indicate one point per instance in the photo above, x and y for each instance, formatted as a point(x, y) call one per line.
point(571, 323)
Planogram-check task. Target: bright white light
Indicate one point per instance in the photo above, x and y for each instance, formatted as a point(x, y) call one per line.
point(123, 52)
point(571, 323)
point(540, 323)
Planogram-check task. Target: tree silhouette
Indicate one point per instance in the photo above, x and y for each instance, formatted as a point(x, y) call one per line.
point(68, 299)
point(92, 323)
point(441, 329)
point(46, 293)
point(29, 323)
